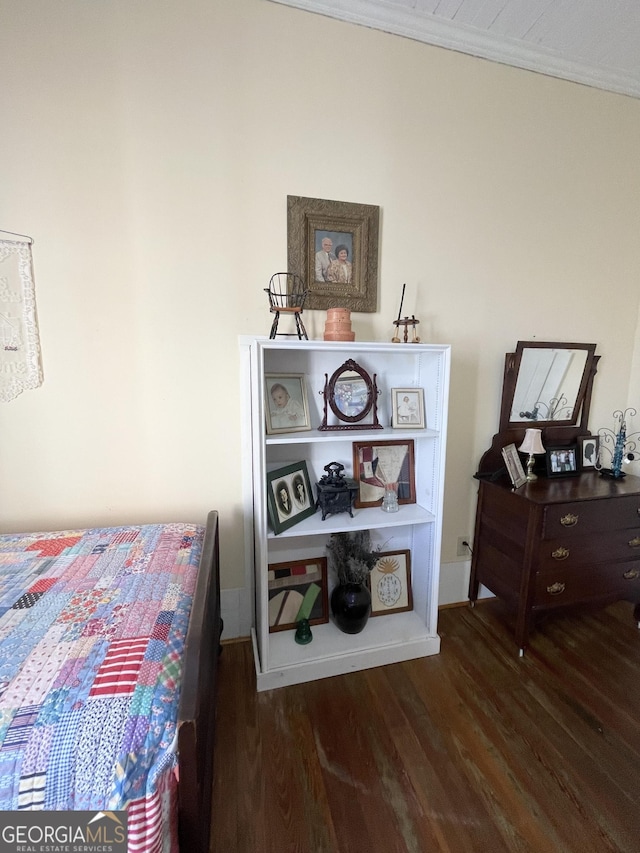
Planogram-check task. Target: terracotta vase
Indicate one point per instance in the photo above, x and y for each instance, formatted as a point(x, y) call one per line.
point(338, 325)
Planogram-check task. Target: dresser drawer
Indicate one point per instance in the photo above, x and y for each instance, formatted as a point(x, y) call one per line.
point(571, 585)
point(580, 518)
point(589, 549)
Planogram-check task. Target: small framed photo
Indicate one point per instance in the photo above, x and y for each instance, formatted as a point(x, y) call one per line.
point(285, 403)
point(390, 583)
point(289, 496)
point(588, 447)
point(298, 590)
point(379, 464)
point(514, 466)
point(407, 408)
point(562, 461)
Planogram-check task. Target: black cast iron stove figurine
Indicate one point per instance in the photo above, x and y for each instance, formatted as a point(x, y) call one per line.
point(336, 493)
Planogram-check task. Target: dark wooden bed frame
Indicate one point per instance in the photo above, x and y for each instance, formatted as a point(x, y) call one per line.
point(196, 713)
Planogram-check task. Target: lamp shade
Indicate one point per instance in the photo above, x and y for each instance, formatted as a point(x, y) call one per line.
point(532, 442)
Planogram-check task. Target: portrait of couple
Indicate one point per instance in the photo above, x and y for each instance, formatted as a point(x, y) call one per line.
point(289, 496)
point(284, 492)
point(333, 257)
point(334, 245)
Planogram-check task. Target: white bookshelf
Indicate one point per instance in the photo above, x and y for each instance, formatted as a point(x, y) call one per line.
point(388, 638)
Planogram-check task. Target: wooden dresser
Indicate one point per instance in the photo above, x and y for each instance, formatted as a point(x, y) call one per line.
point(556, 542)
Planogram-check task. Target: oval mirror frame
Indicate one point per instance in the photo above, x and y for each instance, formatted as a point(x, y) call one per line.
point(351, 394)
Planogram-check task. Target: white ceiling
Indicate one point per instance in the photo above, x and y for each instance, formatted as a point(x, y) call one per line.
point(594, 42)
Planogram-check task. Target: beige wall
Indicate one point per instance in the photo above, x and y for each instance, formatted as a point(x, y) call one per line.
point(149, 148)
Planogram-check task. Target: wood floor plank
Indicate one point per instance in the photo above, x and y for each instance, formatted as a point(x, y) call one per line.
point(468, 751)
point(536, 743)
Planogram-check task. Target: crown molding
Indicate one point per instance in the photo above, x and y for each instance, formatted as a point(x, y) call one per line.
point(412, 23)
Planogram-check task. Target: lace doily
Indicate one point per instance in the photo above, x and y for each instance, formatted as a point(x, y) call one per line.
point(20, 366)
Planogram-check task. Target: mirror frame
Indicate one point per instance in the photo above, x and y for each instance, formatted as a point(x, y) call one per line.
point(350, 421)
point(583, 397)
point(562, 433)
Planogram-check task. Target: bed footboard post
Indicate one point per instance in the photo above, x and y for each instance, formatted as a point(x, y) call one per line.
point(196, 717)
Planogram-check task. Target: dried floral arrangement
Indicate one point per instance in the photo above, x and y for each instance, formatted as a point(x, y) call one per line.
point(352, 556)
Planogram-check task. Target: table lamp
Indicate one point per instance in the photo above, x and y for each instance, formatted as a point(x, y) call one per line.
point(532, 444)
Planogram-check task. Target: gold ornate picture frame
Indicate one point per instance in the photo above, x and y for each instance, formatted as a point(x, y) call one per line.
point(333, 245)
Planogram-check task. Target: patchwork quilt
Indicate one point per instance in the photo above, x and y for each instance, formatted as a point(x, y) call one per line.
point(92, 629)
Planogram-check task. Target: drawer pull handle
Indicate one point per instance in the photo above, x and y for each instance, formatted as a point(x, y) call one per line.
point(635, 542)
point(560, 553)
point(570, 520)
point(556, 588)
point(631, 575)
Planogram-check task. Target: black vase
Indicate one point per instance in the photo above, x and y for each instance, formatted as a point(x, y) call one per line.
point(351, 607)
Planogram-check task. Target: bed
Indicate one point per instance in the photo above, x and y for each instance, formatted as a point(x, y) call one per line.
point(109, 640)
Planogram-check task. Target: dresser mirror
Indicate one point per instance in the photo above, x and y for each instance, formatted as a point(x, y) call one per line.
point(352, 396)
point(546, 385)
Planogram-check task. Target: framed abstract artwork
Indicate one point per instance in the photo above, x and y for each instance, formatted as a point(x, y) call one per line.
point(381, 464)
point(298, 590)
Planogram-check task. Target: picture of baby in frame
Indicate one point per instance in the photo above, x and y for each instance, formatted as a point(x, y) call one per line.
point(285, 399)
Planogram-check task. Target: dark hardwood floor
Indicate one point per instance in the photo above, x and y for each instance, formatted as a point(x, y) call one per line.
point(471, 750)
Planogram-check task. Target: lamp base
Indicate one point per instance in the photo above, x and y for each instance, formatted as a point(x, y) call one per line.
point(530, 463)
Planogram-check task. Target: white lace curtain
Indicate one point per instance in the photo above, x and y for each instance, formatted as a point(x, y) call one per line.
point(20, 366)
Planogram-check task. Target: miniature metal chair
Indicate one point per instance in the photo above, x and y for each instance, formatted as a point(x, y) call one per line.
point(287, 294)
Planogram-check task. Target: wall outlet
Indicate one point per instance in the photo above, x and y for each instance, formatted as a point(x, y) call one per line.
point(462, 549)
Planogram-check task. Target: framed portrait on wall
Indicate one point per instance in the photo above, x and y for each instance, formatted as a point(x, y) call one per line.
point(333, 246)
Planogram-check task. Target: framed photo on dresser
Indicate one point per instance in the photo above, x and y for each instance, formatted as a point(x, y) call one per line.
point(588, 446)
point(562, 461)
point(513, 465)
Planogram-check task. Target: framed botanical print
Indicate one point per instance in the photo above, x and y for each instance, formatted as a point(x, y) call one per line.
point(390, 583)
